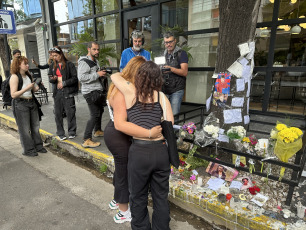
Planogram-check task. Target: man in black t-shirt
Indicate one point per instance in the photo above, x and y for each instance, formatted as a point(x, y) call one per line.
point(175, 79)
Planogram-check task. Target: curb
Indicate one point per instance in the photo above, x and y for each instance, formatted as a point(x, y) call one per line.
point(210, 210)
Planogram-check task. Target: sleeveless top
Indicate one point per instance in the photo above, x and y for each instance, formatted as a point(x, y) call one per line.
point(145, 116)
point(26, 94)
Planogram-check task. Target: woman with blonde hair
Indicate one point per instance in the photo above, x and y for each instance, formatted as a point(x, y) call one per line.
point(148, 164)
point(24, 107)
point(119, 143)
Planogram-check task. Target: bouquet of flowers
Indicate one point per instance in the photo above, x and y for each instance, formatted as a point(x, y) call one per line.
point(249, 143)
point(189, 127)
point(210, 131)
point(288, 142)
point(236, 132)
point(186, 132)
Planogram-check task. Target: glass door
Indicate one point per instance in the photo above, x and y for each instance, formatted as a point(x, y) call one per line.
point(145, 20)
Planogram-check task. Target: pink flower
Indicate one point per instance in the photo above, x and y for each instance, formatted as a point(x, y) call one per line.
point(193, 177)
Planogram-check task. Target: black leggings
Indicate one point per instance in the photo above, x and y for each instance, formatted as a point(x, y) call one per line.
point(149, 166)
point(118, 144)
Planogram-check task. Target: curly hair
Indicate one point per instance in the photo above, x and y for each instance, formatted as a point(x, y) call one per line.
point(58, 50)
point(15, 66)
point(148, 79)
point(128, 74)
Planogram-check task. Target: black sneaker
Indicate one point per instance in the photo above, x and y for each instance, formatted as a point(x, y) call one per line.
point(30, 154)
point(43, 150)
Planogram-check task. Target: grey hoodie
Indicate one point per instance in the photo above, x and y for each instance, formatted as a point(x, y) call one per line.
point(88, 77)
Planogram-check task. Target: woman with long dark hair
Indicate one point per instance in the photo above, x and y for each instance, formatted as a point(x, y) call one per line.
point(148, 164)
point(64, 75)
point(119, 143)
point(24, 107)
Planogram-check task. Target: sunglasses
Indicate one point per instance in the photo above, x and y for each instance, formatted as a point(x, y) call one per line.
point(54, 49)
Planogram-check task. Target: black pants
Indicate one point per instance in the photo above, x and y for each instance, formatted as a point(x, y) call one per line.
point(149, 166)
point(118, 144)
point(95, 121)
point(67, 104)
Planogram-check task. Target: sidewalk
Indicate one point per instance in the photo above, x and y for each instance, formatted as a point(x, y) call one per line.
point(206, 208)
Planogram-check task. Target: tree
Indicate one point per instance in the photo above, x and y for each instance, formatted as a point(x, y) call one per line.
point(237, 25)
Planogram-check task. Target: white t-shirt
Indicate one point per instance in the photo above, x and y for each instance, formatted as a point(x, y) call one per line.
point(28, 93)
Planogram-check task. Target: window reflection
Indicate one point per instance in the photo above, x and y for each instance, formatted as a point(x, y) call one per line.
point(114, 62)
point(74, 32)
point(290, 9)
point(132, 3)
point(290, 47)
point(265, 11)
point(288, 92)
point(103, 6)
point(108, 27)
point(198, 86)
point(25, 10)
point(262, 46)
point(257, 91)
point(203, 49)
point(66, 10)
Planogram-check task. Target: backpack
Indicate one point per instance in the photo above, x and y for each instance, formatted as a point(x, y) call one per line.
point(6, 91)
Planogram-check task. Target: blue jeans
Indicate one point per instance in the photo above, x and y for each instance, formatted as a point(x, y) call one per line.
point(176, 100)
point(27, 119)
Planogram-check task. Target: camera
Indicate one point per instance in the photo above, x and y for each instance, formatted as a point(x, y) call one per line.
point(107, 70)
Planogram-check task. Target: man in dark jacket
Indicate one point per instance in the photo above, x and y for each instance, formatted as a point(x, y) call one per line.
point(62, 73)
point(175, 79)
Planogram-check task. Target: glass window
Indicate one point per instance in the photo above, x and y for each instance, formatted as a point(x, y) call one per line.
point(132, 3)
point(262, 46)
point(288, 92)
point(175, 13)
point(198, 86)
point(290, 47)
point(203, 49)
point(66, 10)
point(257, 91)
point(103, 6)
point(265, 11)
point(113, 62)
point(290, 9)
point(108, 27)
point(72, 33)
point(25, 10)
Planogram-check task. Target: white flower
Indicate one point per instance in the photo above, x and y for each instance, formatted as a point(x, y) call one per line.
point(263, 143)
point(212, 130)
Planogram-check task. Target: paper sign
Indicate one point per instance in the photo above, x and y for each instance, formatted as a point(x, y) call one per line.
point(215, 75)
point(236, 68)
point(208, 104)
point(249, 88)
point(160, 60)
point(246, 119)
point(246, 72)
point(222, 89)
point(236, 184)
point(215, 183)
point(223, 138)
point(221, 131)
point(252, 50)
point(177, 126)
point(240, 84)
point(260, 199)
point(243, 61)
point(244, 49)
point(237, 102)
point(232, 116)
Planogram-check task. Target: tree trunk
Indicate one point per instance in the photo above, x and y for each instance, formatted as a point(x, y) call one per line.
point(3, 55)
point(238, 20)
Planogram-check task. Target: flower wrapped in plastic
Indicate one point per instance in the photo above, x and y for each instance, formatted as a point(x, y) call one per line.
point(210, 131)
point(288, 143)
point(186, 132)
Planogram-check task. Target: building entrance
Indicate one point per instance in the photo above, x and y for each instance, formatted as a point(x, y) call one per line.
point(144, 19)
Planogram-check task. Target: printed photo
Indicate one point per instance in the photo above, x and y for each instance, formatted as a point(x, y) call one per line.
point(222, 89)
point(221, 171)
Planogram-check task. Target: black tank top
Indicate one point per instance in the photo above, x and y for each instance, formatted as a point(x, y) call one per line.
point(145, 116)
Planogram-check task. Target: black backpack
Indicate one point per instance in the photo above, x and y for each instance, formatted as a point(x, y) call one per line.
point(6, 91)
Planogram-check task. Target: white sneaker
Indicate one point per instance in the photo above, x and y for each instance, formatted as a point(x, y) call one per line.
point(119, 218)
point(113, 205)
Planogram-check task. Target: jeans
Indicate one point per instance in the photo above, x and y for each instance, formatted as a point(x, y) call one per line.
point(67, 104)
point(95, 121)
point(27, 119)
point(149, 166)
point(176, 100)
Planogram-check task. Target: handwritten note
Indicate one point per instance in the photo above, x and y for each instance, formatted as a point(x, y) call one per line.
point(240, 84)
point(215, 183)
point(246, 119)
point(232, 116)
point(236, 68)
point(236, 184)
point(244, 49)
point(237, 101)
point(223, 138)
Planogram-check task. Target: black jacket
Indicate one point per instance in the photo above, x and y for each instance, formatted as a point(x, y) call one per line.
point(69, 77)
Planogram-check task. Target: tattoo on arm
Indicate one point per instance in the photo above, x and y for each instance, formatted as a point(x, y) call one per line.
point(128, 82)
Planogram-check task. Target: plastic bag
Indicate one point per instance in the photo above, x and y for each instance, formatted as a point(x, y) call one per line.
point(209, 133)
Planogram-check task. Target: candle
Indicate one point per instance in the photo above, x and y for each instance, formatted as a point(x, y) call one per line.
point(200, 182)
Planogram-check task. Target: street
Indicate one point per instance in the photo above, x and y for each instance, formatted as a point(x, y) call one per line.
point(47, 192)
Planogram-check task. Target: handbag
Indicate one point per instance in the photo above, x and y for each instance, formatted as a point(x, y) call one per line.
point(168, 132)
point(96, 96)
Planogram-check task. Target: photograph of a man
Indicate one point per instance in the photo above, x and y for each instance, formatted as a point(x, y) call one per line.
point(2, 22)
